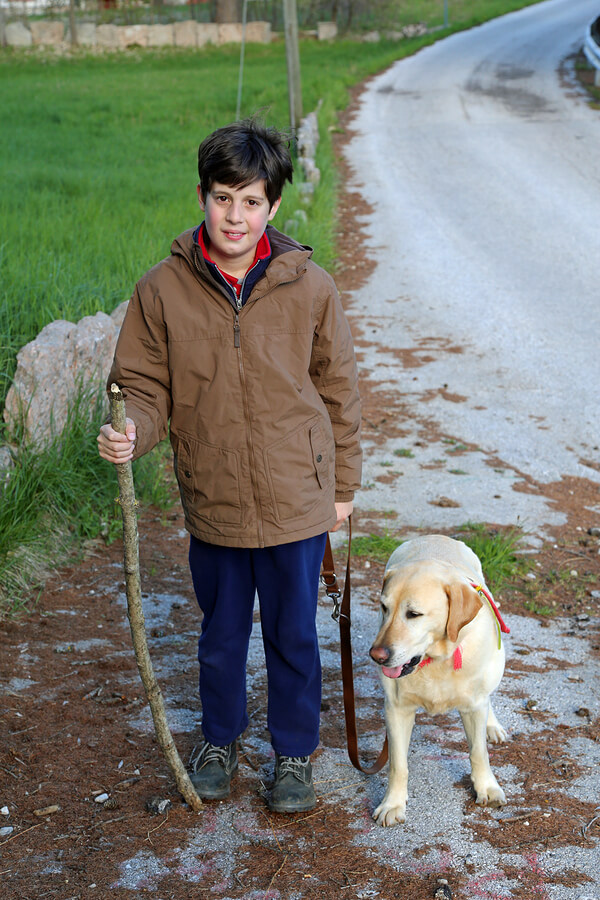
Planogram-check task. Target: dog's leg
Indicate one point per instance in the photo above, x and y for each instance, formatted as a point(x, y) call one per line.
point(487, 789)
point(399, 722)
point(494, 731)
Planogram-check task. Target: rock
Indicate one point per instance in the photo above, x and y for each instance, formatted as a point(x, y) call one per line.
point(160, 36)
point(46, 810)
point(185, 34)
point(108, 37)
point(6, 831)
point(47, 32)
point(64, 359)
point(442, 891)
point(207, 33)
point(134, 35)
point(6, 464)
point(17, 35)
point(595, 532)
point(326, 31)
point(86, 34)
point(415, 30)
point(258, 32)
point(371, 37)
point(101, 798)
point(158, 805)
point(306, 190)
point(4, 811)
point(229, 33)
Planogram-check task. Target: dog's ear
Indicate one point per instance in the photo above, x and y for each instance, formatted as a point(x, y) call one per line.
point(464, 604)
point(388, 575)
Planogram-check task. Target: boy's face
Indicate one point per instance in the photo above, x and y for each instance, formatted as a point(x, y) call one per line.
point(235, 219)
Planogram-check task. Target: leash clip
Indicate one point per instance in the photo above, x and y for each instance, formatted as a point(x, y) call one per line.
point(335, 597)
point(333, 592)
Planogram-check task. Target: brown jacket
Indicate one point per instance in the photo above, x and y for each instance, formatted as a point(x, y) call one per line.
point(263, 402)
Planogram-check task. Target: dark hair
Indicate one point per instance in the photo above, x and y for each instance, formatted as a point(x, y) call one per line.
point(243, 152)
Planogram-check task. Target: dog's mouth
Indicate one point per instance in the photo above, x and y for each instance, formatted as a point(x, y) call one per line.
point(400, 671)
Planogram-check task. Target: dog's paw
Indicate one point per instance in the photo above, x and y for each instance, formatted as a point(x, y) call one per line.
point(390, 813)
point(490, 795)
point(495, 733)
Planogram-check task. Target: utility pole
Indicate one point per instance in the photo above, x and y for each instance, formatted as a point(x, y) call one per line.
point(292, 52)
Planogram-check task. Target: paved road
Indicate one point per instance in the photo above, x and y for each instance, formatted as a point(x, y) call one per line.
point(479, 158)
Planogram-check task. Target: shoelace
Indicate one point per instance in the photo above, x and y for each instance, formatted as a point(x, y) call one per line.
point(209, 753)
point(294, 765)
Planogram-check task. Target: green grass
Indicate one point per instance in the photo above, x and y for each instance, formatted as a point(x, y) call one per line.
point(497, 551)
point(58, 497)
point(97, 161)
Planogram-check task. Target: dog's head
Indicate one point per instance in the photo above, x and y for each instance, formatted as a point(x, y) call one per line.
point(422, 605)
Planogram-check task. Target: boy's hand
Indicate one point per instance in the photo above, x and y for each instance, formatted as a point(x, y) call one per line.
point(116, 447)
point(343, 510)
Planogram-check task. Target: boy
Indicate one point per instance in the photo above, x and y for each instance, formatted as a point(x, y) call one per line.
point(240, 341)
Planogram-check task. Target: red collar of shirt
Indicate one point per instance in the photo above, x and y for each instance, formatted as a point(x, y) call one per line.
point(263, 251)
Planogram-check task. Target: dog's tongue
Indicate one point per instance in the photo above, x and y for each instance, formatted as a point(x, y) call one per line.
point(396, 672)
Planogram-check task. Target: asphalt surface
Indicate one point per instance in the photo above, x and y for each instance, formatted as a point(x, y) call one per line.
point(479, 160)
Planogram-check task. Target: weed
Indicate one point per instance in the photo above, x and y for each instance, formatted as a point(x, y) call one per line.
point(539, 610)
point(375, 546)
point(404, 452)
point(497, 551)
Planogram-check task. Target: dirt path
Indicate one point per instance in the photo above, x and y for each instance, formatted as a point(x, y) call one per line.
point(74, 727)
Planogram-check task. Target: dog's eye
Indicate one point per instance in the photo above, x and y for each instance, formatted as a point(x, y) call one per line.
point(411, 614)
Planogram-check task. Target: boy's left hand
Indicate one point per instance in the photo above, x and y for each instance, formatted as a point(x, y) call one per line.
point(343, 510)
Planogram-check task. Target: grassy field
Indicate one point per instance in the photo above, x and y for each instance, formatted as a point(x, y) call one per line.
point(97, 157)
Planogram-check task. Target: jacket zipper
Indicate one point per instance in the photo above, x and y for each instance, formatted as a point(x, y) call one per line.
point(255, 490)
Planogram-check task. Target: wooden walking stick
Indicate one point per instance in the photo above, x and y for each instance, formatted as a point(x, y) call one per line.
point(135, 612)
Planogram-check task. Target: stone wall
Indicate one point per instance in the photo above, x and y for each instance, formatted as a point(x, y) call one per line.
point(119, 37)
point(188, 34)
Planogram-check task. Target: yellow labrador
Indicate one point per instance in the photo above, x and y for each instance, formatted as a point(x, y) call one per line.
point(438, 647)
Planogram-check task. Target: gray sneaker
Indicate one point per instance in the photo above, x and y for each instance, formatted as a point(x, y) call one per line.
point(211, 769)
point(293, 790)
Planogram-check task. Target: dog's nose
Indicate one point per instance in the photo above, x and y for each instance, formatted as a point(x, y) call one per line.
point(379, 654)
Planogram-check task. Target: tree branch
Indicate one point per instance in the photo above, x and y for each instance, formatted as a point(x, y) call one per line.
point(135, 611)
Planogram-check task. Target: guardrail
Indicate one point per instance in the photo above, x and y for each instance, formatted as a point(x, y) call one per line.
point(591, 48)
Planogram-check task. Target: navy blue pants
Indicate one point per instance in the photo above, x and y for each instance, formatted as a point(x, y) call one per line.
point(286, 578)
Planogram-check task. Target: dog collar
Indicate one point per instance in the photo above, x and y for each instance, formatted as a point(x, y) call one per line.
point(500, 625)
point(456, 659)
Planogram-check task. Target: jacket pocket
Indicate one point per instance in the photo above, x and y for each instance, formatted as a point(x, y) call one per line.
point(209, 480)
point(299, 469)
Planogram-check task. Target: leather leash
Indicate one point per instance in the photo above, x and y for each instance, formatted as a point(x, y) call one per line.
point(341, 611)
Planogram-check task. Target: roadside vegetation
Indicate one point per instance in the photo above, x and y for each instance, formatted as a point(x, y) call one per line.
point(97, 158)
point(497, 550)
